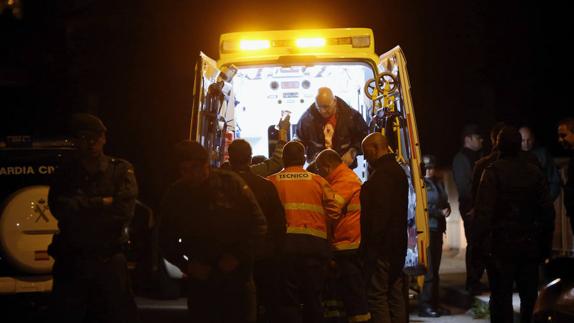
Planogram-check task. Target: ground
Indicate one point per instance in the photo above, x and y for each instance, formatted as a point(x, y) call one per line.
point(22, 309)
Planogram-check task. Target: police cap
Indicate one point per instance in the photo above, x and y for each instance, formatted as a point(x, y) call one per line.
point(86, 123)
point(470, 129)
point(429, 161)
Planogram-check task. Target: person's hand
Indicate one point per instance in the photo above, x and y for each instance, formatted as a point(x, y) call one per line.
point(283, 126)
point(446, 212)
point(228, 263)
point(107, 201)
point(198, 270)
point(349, 157)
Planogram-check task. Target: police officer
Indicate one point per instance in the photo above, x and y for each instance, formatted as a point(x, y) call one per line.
point(266, 267)
point(438, 210)
point(209, 221)
point(92, 197)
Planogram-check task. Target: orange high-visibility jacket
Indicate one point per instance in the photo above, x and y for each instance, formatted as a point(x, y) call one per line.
point(308, 201)
point(347, 229)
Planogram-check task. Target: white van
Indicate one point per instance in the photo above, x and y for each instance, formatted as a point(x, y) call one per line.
point(260, 74)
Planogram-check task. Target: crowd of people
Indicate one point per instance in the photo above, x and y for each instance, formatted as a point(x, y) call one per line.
point(257, 242)
point(506, 200)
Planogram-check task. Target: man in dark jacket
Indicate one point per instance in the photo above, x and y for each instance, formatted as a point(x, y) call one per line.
point(514, 224)
point(266, 269)
point(93, 197)
point(384, 208)
point(331, 123)
point(566, 138)
point(208, 224)
point(462, 168)
point(474, 260)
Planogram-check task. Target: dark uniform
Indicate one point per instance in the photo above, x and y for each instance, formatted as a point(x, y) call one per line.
point(90, 269)
point(514, 225)
point(437, 200)
point(200, 226)
point(267, 269)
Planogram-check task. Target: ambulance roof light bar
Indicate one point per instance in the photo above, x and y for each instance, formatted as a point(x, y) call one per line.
point(310, 42)
point(363, 41)
point(248, 44)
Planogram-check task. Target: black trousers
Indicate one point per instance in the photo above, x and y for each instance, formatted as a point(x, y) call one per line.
point(385, 292)
point(267, 276)
point(351, 286)
point(92, 289)
point(303, 282)
point(503, 272)
point(224, 297)
point(429, 296)
point(475, 266)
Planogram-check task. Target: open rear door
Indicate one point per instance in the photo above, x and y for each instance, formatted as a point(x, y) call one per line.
point(213, 108)
point(394, 115)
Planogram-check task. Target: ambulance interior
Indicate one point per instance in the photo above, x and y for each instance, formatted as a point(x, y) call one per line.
point(261, 94)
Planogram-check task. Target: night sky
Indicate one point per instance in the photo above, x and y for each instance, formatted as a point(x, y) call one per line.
point(132, 63)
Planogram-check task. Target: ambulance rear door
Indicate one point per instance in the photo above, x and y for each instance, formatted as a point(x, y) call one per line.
point(213, 106)
point(395, 117)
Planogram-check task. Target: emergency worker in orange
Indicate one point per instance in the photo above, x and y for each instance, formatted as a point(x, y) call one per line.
point(309, 203)
point(346, 235)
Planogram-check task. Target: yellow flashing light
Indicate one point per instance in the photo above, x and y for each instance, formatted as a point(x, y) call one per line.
point(254, 44)
point(310, 42)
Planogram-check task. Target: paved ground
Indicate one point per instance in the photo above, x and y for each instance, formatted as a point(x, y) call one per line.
point(452, 293)
point(453, 297)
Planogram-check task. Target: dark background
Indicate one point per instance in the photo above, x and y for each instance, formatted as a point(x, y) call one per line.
point(132, 63)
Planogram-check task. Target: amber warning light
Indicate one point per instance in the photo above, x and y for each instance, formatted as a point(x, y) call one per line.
point(310, 42)
point(254, 44)
point(362, 41)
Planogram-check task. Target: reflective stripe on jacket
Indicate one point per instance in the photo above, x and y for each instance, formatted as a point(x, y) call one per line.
point(347, 229)
point(308, 201)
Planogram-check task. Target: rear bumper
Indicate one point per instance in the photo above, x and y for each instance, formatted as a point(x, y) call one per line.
point(30, 284)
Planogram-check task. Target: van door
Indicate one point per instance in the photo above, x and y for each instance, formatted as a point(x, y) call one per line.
point(213, 108)
point(394, 116)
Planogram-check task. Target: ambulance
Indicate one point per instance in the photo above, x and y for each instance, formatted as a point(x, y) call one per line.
point(260, 76)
